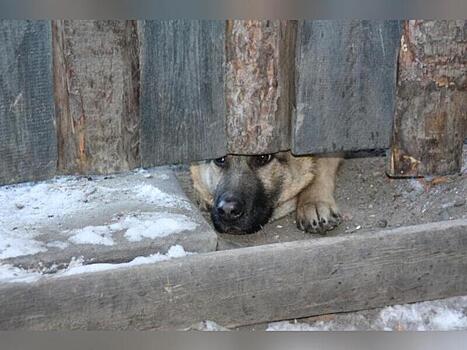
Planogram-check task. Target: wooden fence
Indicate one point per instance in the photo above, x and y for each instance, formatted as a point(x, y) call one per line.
point(80, 97)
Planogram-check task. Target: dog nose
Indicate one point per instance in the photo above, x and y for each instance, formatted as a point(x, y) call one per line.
point(229, 209)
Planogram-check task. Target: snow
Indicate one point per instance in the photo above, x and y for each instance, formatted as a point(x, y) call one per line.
point(57, 244)
point(12, 274)
point(145, 173)
point(176, 251)
point(207, 326)
point(26, 209)
point(76, 268)
point(446, 314)
point(12, 244)
point(424, 316)
point(137, 226)
point(153, 225)
point(287, 326)
point(23, 207)
point(92, 235)
point(155, 196)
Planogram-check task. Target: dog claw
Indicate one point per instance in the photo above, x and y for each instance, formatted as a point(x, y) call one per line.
point(318, 218)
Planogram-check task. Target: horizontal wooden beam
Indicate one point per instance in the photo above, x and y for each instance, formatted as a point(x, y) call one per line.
point(251, 285)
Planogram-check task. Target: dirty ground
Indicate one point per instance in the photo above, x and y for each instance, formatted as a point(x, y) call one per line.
point(369, 200)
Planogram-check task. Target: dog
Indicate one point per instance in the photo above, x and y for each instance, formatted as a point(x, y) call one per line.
point(244, 192)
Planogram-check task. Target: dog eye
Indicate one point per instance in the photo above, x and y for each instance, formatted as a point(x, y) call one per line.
point(220, 161)
point(263, 159)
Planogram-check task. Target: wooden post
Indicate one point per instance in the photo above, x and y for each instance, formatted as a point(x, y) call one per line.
point(96, 70)
point(259, 85)
point(431, 103)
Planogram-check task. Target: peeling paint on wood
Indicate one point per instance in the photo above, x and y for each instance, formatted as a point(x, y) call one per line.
point(431, 107)
point(97, 95)
point(259, 85)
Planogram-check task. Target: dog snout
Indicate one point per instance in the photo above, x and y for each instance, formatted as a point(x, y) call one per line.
point(229, 208)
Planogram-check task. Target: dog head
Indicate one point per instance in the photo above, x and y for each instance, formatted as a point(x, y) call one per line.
point(242, 192)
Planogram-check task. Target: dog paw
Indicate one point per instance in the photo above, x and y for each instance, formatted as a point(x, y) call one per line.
point(318, 217)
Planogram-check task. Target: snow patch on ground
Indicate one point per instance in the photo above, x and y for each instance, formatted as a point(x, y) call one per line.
point(12, 274)
point(154, 225)
point(25, 209)
point(57, 244)
point(287, 326)
point(92, 235)
point(12, 245)
point(446, 314)
point(24, 206)
point(207, 326)
point(176, 251)
point(148, 175)
point(154, 195)
point(424, 316)
point(136, 227)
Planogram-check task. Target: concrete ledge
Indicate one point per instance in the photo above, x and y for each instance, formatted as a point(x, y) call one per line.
point(100, 219)
point(252, 285)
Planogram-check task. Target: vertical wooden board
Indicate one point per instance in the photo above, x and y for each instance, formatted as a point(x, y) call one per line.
point(345, 85)
point(28, 144)
point(259, 85)
point(182, 91)
point(431, 107)
point(96, 67)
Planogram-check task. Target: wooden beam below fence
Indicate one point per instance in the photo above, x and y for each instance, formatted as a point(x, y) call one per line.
point(251, 285)
point(431, 106)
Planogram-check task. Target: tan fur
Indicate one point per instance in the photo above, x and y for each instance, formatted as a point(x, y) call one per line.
point(307, 186)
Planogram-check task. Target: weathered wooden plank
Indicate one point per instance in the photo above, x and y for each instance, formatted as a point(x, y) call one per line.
point(259, 85)
point(96, 92)
point(431, 99)
point(345, 85)
point(27, 133)
point(252, 285)
point(182, 91)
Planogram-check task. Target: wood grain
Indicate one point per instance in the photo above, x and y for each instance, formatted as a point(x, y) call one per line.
point(431, 99)
point(96, 68)
point(252, 285)
point(259, 85)
point(28, 144)
point(182, 91)
point(345, 85)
